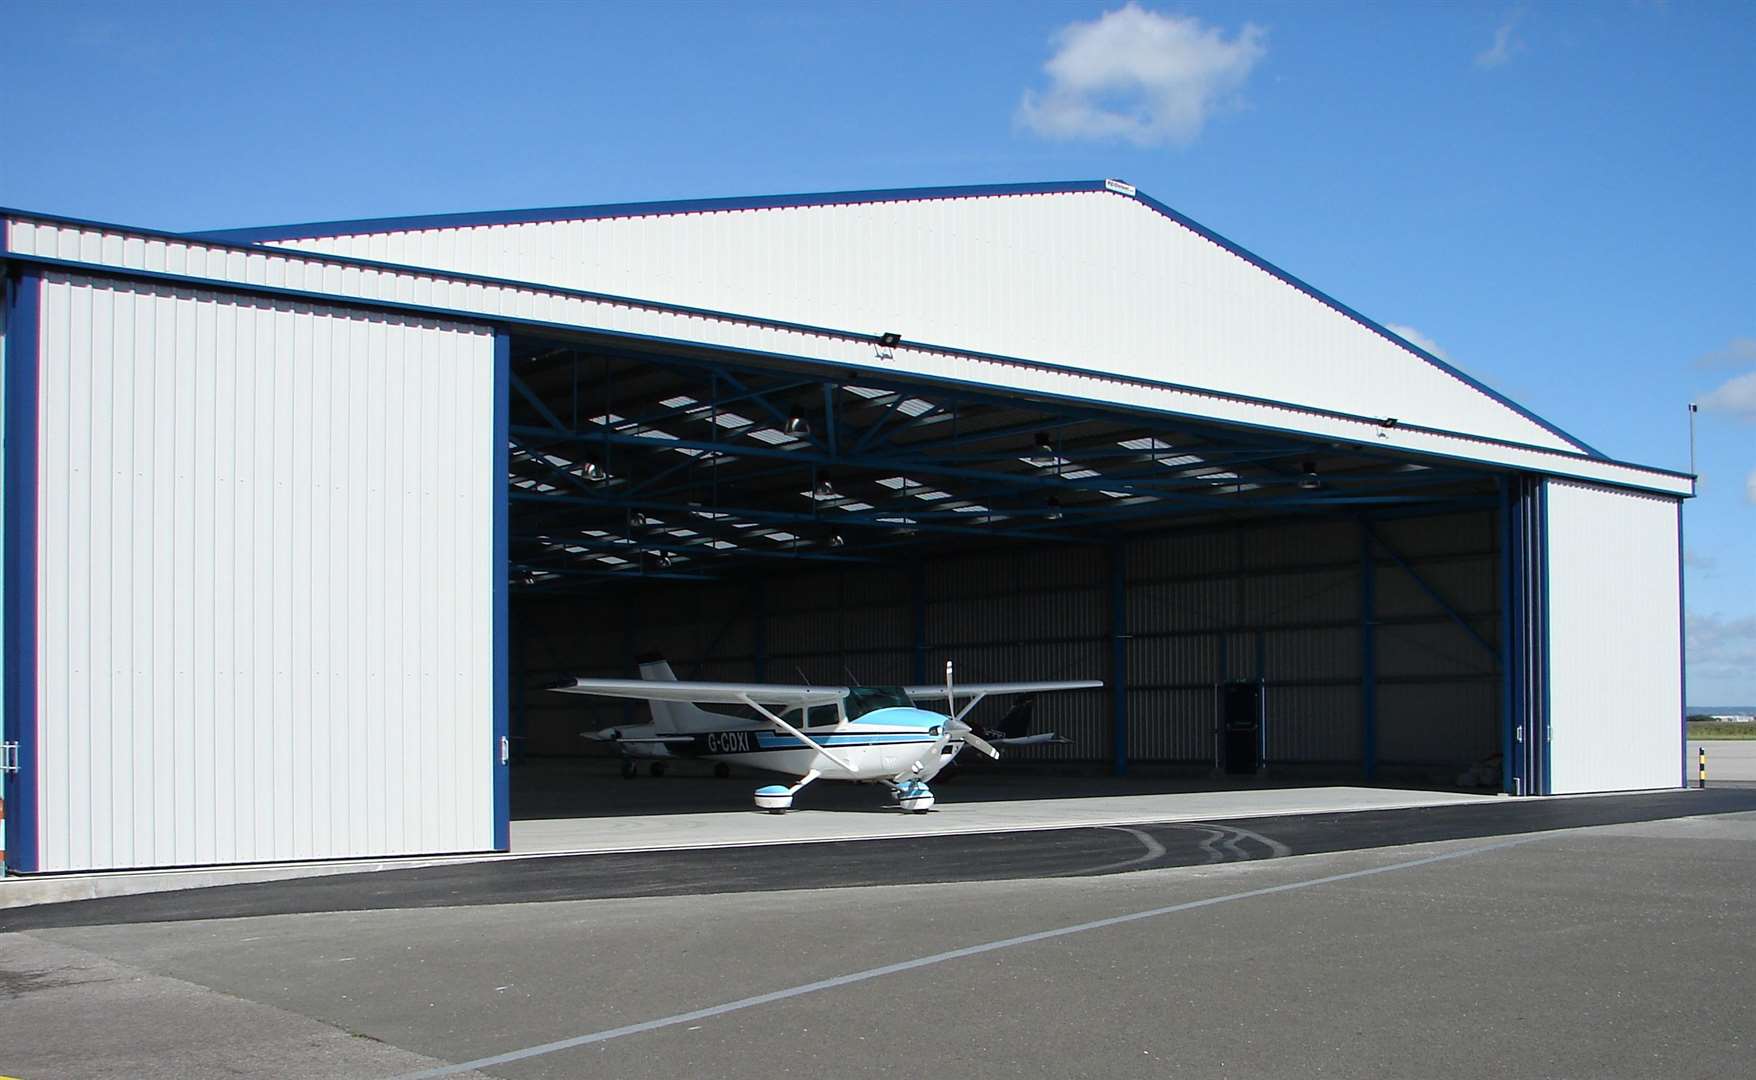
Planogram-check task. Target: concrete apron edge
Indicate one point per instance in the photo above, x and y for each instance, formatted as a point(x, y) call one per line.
point(32, 890)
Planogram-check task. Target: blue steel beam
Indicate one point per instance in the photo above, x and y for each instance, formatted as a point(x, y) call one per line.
point(692, 549)
point(861, 520)
point(1428, 590)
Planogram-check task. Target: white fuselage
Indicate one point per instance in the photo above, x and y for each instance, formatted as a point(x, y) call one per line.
point(885, 744)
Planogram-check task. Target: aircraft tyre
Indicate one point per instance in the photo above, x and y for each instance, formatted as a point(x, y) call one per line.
point(657, 768)
point(721, 770)
point(630, 770)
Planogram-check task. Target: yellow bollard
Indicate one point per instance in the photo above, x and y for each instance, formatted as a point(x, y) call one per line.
point(1701, 765)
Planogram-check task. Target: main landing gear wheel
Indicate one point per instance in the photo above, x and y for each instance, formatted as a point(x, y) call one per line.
point(630, 770)
point(722, 770)
point(657, 768)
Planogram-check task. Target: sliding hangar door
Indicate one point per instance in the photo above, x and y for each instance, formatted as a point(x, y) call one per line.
point(300, 521)
point(250, 579)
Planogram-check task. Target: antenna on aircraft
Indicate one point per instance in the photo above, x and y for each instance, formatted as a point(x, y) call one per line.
point(852, 678)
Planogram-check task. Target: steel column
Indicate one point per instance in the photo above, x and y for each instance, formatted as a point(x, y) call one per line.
point(23, 300)
point(1368, 655)
point(1118, 567)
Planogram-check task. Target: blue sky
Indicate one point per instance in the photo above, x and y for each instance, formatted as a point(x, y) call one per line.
point(1560, 197)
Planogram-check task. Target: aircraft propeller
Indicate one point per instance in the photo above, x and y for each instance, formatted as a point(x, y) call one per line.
point(961, 730)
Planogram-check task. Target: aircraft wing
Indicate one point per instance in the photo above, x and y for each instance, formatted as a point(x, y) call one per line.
point(966, 690)
point(697, 693)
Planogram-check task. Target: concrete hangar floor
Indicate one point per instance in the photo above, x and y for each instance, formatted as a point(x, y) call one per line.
point(1576, 936)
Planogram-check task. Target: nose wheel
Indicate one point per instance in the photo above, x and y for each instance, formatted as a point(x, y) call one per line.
point(913, 796)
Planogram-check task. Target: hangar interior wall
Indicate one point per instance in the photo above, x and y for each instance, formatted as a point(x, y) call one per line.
point(1614, 615)
point(263, 584)
point(1284, 602)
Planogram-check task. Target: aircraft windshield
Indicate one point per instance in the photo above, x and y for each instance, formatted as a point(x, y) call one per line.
point(864, 699)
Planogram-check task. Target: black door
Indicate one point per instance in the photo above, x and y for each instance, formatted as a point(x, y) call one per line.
point(1241, 726)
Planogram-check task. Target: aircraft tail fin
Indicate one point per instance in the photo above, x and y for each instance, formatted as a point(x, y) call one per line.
point(1016, 723)
point(673, 717)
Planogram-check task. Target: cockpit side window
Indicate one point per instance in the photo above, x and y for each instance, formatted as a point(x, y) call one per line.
point(864, 699)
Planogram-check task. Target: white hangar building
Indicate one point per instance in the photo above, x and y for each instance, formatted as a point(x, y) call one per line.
point(299, 520)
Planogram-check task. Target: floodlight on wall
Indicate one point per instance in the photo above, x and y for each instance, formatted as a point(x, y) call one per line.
point(1054, 511)
point(889, 340)
point(1310, 481)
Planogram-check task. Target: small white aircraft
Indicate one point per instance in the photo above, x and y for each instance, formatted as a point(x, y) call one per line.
point(870, 734)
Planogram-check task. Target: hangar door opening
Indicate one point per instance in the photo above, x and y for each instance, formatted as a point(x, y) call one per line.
point(807, 525)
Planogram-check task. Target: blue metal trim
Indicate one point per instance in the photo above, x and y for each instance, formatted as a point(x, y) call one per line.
point(23, 361)
point(1377, 328)
point(1119, 658)
point(309, 230)
point(1682, 654)
point(1368, 654)
point(1543, 746)
point(1504, 569)
point(505, 321)
point(500, 567)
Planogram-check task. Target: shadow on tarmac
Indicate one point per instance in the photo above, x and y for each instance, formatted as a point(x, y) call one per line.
point(1087, 851)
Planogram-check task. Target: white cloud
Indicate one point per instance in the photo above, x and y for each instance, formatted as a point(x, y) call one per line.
point(1736, 395)
point(1738, 352)
point(1418, 339)
point(1136, 75)
point(1506, 43)
point(1694, 560)
point(1721, 646)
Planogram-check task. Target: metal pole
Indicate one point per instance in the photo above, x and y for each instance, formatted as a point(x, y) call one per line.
point(1701, 765)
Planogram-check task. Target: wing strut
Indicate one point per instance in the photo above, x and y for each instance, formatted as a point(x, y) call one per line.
point(797, 734)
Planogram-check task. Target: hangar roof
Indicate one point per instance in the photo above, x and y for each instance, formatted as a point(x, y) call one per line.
point(1090, 275)
point(876, 357)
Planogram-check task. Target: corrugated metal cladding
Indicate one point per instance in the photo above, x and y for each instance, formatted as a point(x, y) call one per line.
point(1095, 280)
point(1436, 635)
point(319, 278)
point(265, 580)
point(1283, 602)
point(1615, 684)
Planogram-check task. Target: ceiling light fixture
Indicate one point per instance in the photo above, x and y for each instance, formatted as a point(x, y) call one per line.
point(1310, 481)
point(1054, 512)
point(825, 488)
point(1044, 454)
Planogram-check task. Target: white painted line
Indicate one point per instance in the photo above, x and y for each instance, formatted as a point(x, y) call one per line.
point(849, 979)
